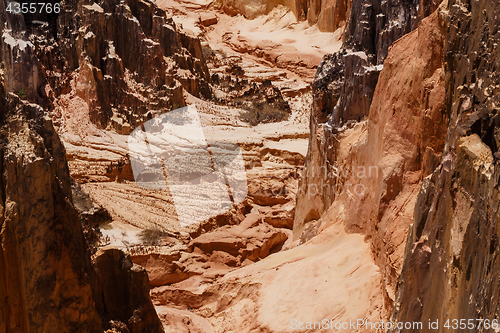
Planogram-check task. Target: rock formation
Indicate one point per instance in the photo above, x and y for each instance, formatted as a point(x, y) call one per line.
point(451, 256)
point(344, 86)
point(121, 293)
point(44, 266)
point(102, 68)
point(371, 143)
point(430, 130)
point(123, 60)
point(328, 15)
point(47, 280)
point(345, 83)
point(394, 217)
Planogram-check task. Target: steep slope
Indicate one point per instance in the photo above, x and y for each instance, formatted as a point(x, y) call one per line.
point(344, 86)
point(44, 267)
point(329, 15)
point(451, 263)
point(376, 131)
point(48, 282)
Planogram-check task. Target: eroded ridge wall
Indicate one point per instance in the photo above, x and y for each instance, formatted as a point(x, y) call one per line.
point(452, 267)
point(343, 90)
point(44, 266)
point(376, 132)
point(123, 61)
point(328, 15)
point(344, 86)
point(48, 282)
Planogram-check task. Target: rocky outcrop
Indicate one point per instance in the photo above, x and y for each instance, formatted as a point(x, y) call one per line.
point(262, 101)
point(344, 86)
point(373, 26)
point(431, 214)
point(213, 254)
point(121, 293)
point(123, 61)
point(240, 236)
point(23, 75)
point(251, 239)
point(367, 173)
point(253, 8)
point(451, 258)
point(371, 29)
point(281, 55)
point(329, 15)
point(91, 216)
point(343, 90)
point(44, 266)
point(47, 280)
point(250, 9)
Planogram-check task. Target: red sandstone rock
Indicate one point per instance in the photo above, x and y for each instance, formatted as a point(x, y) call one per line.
point(403, 124)
point(452, 247)
point(44, 263)
point(122, 292)
point(47, 280)
point(207, 19)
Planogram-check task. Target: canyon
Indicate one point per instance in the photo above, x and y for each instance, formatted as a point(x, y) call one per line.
point(366, 131)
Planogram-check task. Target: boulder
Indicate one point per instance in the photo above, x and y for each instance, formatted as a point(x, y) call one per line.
point(208, 19)
point(122, 292)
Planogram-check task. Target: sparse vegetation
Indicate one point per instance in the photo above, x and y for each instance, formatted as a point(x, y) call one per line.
point(106, 225)
point(264, 114)
point(263, 103)
point(152, 236)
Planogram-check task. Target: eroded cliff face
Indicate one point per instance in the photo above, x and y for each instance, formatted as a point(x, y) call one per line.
point(48, 282)
point(44, 281)
point(451, 265)
point(22, 71)
point(329, 15)
point(376, 132)
point(429, 209)
point(343, 90)
point(123, 61)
